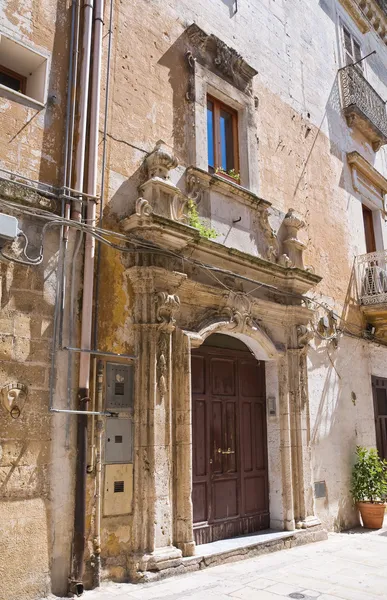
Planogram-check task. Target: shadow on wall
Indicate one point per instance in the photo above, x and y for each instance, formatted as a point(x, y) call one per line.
point(332, 114)
point(54, 115)
point(334, 435)
point(176, 61)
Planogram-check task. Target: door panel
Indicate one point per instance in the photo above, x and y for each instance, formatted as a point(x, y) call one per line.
point(379, 389)
point(229, 425)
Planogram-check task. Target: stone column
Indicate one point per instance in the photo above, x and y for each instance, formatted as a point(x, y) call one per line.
point(154, 324)
point(182, 444)
point(300, 430)
point(286, 445)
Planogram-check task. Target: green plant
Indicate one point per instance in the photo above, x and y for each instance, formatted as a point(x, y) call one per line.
point(195, 221)
point(231, 173)
point(369, 476)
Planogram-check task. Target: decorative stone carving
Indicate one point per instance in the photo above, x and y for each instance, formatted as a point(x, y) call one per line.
point(160, 161)
point(269, 233)
point(293, 246)
point(143, 208)
point(160, 195)
point(214, 53)
point(162, 365)
point(238, 311)
point(194, 188)
point(304, 335)
point(14, 396)
point(168, 305)
point(285, 261)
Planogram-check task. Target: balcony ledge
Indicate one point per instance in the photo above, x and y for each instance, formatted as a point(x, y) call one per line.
point(362, 106)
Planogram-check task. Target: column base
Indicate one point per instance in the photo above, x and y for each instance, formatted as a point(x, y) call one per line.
point(142, 566)
point(311, 521)
point(187, 548)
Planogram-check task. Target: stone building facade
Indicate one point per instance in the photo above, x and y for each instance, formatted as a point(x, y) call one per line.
point(193, 291)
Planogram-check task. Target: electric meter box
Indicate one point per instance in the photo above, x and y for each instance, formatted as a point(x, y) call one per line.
point(8, 227)
point(118, 441)
point(119, 387)
point(118, 490)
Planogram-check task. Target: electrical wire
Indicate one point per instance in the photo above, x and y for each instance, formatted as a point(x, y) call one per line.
point(144, 246)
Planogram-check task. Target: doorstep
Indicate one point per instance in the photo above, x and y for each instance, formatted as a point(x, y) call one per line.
point(240, 548)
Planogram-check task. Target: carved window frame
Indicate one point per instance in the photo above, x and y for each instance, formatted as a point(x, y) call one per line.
point(207, 83)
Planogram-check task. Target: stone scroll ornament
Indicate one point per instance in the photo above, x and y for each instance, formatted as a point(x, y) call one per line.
point(13, 397)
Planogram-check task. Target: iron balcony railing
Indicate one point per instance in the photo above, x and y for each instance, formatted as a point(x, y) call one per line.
point(361, 102)
point(371, 277)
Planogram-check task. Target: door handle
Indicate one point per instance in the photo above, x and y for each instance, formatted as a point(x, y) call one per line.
point(228, 451)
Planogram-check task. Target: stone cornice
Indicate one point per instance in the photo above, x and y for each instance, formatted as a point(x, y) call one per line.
point(368, 14)
point(361, 164)
point(228, 188)
point(187, 240)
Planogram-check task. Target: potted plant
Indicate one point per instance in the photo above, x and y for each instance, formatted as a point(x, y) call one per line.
point(231, 174)
point(369, 486)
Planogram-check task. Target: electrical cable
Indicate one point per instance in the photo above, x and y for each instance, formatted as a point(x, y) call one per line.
point(141, 245)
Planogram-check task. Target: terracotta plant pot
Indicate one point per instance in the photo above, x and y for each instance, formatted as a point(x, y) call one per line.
point(372, 514)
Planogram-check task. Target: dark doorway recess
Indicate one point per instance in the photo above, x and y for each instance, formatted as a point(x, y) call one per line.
point(230, 478)
point(379, 390)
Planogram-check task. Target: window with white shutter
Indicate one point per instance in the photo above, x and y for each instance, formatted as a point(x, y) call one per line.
point(351, 48)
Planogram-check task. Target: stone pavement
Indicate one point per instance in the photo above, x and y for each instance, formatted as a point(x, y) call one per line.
point(348, 566)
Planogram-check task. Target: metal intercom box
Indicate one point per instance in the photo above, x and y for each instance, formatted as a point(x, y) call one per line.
point(119, 387)
point(118, 490)
point(119, 441)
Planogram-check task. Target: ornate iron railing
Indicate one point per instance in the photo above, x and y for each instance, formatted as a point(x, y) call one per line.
point(359, 96)
point(371, 277)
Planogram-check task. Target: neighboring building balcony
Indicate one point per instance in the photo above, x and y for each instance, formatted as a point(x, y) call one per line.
point(371, 279)
point(362, 106)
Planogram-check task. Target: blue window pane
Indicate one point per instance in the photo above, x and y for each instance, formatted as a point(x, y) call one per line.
point(210, 136)
point(223, 143)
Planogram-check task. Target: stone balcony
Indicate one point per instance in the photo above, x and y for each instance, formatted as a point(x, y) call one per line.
point(362, 106)
point(371, 280)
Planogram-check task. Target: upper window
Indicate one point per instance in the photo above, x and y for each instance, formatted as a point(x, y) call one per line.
point(12, 80)
point(351, 48)
point(22, 71)
point(222, 139)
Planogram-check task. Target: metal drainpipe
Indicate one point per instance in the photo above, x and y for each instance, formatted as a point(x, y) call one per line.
point(83, 100)
point(98, 483)
point(79, 541)
point(103, 164)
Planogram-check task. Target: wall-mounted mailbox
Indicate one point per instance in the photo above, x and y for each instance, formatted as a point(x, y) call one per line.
point(119, 441)
point(119, 387)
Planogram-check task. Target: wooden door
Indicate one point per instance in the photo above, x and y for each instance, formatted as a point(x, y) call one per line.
point(230, 482)
point(379, 390)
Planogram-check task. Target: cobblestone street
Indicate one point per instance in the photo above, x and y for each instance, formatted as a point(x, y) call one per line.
point(348, 566)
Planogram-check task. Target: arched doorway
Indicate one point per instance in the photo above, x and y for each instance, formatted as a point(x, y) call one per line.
point(230, 493)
